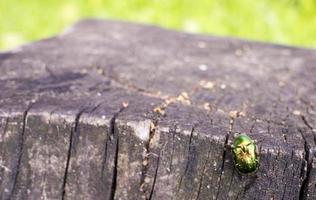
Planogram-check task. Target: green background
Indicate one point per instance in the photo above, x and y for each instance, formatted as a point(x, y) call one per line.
point(290, 22)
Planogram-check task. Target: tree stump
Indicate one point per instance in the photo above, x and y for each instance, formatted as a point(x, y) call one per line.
point(115, 110)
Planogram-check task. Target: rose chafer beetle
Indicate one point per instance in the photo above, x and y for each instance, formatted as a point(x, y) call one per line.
point(245, 155)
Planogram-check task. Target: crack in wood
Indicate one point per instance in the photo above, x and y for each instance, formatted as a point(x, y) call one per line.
point(73, 131)
point(305, 170)
point(155, 178)
point(21, 147)
point(307, 124)
point(129, 86)
point(222, 165)
point(73, 134)
point(187, 160)
point(203, 174)
point(146, 161)
point(307, 163)
point(114, 174)
point(231, 126)
point(114, 134)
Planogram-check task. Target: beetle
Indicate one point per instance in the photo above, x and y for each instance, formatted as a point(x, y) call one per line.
point(245, 155)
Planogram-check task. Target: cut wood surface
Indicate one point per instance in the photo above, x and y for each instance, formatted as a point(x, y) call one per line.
point(115, 110)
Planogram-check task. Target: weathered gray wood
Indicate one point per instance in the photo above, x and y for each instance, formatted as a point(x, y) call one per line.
point(11, 127)
point(113, 110)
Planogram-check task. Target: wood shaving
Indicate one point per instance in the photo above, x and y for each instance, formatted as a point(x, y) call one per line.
point(159, 110)
point(207, 106)
point(235, 114)
point(297, 112)
point(184, 98)
point(125, 104)
point(207, 84)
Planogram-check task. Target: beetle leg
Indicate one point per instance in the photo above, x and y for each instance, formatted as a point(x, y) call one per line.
point(257, 141)
point(235, 134)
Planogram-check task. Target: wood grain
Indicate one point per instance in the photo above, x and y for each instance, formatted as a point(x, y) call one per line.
point(116, 110)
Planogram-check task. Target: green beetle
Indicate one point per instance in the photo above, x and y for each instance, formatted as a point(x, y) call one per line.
point(245, 155)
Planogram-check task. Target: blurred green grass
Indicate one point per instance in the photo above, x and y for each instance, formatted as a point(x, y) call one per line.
point(290, 22)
